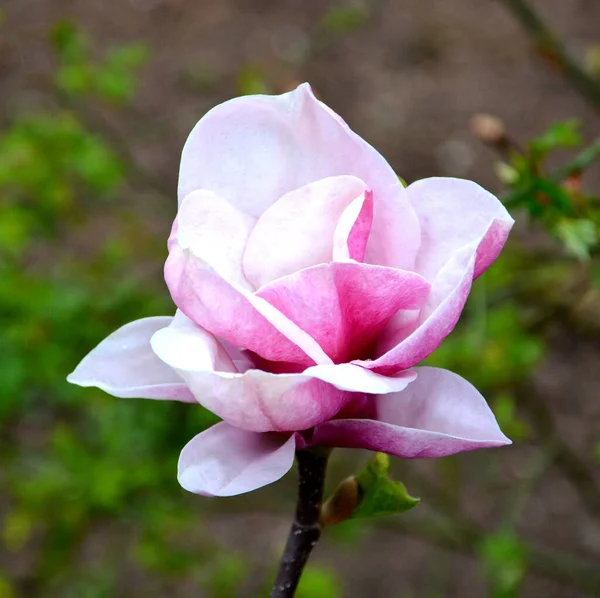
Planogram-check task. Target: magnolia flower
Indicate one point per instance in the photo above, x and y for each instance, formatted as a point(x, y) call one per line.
point(309, 282)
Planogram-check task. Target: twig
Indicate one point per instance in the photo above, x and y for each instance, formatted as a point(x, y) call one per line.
point(551, 45)
point(575, 470)
point(306, 529)
point(454, 532)
point(579, 163)
point(449, 528)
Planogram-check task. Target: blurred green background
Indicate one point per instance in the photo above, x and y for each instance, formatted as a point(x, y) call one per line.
point(96, 101)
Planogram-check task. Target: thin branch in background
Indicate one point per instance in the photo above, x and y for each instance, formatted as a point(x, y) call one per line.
point(575, 470)
point(579, 163)
point(449, 528)
point(454, 532)
point(552, 47)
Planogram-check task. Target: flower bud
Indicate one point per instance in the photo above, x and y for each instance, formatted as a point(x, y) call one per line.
point(489, 129)
point(341, 503)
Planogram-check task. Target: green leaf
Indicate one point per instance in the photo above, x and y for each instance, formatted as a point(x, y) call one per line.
point(508, 174)
point(559, 135)
point(317, 582)
point(114, 86)
point(344, 19)
point(505, 563)
point(578, 237)
point(68, 41)
point(74, 79)
point(251, 81)
point(127, 57)
point(116, 77)
point(379, 495)
point(505, 411)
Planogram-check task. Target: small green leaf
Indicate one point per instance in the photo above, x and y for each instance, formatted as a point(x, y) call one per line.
point(341, 20)
point(402, 181)
point(251, 81)
point(559, 135)
point(128, 56)
point(505, 563)
point(378, 494)
point(505, 411)
point(508, 174)
point(68, 41)
point(317, 582)
point(74, 79)
point(578, 237)
point(114, 85)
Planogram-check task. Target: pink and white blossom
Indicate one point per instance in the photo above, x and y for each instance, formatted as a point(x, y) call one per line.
point(308, 284)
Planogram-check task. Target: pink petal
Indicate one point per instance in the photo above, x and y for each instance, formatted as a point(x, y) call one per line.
point(352, 231)
point(464, 228)
point(406, 342)
point(297, 230)
point(344, 306)
point(214, 230)
point(124, 365)
point(230, 312)
point(225, 461)
point(439, 414)
point(395, 233)
point(346, 376)
point(454, 213)
point(191, 346)
point(253, 150)
point(260, 401)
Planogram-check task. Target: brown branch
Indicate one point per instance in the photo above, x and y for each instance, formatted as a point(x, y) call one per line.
point(306, 528)
point(552, 47)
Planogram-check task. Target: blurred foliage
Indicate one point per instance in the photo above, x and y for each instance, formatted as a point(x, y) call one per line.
point(60, 445)
point(317, 582)
point(251, 80)
point(112, 77)
point(556, 199)
point(345, 19)
point(75, 462)
point(504, 561)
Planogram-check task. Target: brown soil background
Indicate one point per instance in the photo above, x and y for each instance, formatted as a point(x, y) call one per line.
point(408, 82)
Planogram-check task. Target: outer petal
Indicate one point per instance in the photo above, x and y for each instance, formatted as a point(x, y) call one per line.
point(464, 228)
point(454, 213)
point(297, 230)
point(260, 401)
point(406, 342)
point(254, 149)
point(124, 365)
point(234, 314)
point(344, 306)
point(224, 461)
point(437, 415)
